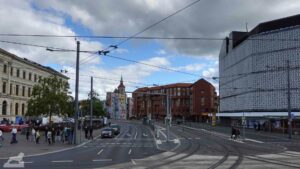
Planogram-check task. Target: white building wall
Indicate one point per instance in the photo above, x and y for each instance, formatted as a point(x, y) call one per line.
point(12, 81)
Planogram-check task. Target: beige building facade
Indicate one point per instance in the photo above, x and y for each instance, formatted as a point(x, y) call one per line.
point(17, 78)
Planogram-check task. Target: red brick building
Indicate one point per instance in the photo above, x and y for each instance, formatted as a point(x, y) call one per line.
point(193, 101)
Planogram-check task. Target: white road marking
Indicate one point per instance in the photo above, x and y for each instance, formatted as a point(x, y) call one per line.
point(158, 142)
point(129, 152)
point(197, 138)
point(256, 141)
point(145, 135)
point(62, 161)
point(176, 141)
point(128, 134)
point(102, 160)
point(133, 162)
point(135, 135)
point(27, 162)
point(100, 152)
point(238, 141)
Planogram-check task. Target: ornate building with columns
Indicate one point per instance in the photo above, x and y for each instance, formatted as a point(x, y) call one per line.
point(17, 78)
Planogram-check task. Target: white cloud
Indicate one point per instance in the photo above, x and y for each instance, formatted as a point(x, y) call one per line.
point(195, 67)
point(26, 20)
point(201, 20)
point(161, 52)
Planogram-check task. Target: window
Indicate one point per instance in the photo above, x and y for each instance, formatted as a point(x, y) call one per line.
point(29, 92)
point(24, 74)
point(17, 90)
point(40, 78)
point(35, 77)
point(202, 101)
point(23, 91)
point(29, 76)
point(11, 71)
point(18, 72)
point(4, 87)
point(16, 109)
point(10, 89)
point(23, 109)
point(4, 107)
point(4, 68)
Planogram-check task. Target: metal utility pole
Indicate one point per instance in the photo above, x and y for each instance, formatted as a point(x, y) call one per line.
point(168, 117)
point(76, 94)
point(91, 103)
point(289, 100)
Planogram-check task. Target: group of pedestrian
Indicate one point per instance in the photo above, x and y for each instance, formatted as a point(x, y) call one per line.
point(59, 134)
point(235, 133)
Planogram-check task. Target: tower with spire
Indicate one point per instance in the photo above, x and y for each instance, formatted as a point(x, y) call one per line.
point(121, 87)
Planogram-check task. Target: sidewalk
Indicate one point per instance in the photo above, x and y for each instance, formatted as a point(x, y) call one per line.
point(249, 133)
point(31, 148)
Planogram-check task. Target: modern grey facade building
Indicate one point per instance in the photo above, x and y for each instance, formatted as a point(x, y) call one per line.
point(254, 68)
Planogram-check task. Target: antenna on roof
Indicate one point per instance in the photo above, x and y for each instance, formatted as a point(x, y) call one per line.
point(246, 26)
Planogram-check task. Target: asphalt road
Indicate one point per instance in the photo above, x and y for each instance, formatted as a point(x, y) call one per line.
point(136, 147)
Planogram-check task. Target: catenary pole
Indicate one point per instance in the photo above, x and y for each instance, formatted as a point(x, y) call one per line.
point(76, 93)
point(91, 102)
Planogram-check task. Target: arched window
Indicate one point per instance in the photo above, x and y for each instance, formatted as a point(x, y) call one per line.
point(23, 109)
point(17, 109)
point(4, 107)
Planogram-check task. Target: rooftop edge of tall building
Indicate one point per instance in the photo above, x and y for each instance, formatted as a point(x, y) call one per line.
point(32, 63)
point(238, 37)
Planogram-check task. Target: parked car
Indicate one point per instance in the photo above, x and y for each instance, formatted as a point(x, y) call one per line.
point(9, 127)
point(116, 128)
point(107, 133)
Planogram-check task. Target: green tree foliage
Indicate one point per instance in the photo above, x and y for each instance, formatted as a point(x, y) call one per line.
point(97, 106)
point(50, 97)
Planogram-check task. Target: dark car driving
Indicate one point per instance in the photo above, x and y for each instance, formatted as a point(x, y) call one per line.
point(107, 133)
point(116, 128)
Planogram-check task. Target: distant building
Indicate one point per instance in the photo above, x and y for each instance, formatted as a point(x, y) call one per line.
point(116, 102)
point(17, 78)
point(129, 107)
point(253, 73)
point(191, 101)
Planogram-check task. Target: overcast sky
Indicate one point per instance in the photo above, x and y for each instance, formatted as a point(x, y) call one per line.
point(207, 18)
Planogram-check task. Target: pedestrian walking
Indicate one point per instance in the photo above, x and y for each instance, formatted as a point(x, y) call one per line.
point(57, 135)
point(33, 134)
point(62, 136)
point(233, 133)
point(53, 135)
point(49, 137)
point(1, 135)
point(46, 131)
point(37, 137)
point(14, 136)
point(86, 131)
point(27, 133)
point(91, 133)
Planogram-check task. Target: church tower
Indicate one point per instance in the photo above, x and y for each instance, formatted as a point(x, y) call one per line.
point(121, 87)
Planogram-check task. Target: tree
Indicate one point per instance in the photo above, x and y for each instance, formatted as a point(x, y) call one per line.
point(50, 96)
point(97, 105)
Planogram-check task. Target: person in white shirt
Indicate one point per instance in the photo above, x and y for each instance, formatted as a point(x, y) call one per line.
point(33, 132)
point(1, 135)
point(14, 135)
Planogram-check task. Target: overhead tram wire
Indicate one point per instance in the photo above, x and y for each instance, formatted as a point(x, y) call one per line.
point(146, 37)
point(150, 65)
